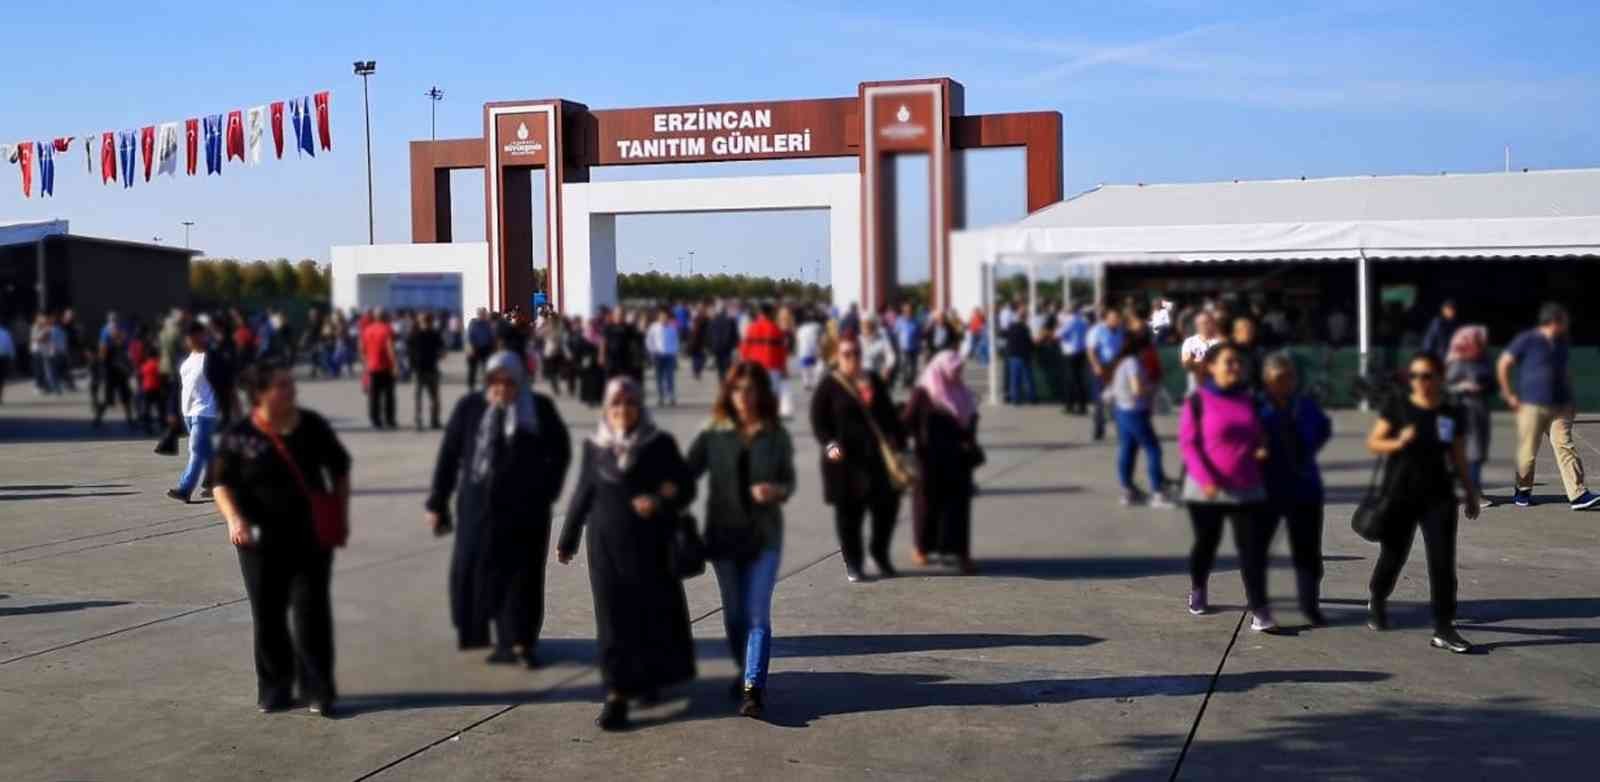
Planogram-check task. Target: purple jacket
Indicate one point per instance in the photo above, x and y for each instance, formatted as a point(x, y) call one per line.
point(1224, 453)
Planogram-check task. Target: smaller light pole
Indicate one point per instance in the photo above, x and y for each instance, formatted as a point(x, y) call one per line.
point(364, 69)
point(691, 262)
point(187, 224)
point(434, 96)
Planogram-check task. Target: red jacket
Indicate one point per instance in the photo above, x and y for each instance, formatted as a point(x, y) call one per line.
point(764, 344)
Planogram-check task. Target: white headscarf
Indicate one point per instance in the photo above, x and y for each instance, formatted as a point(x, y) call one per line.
point(520, 412)
point(624, 445)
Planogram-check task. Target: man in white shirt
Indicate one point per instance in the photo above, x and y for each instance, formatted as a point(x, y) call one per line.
point(1161, 321)
point(197, 402)
point(807, 345)
point(1193, 352)
point(662, 342)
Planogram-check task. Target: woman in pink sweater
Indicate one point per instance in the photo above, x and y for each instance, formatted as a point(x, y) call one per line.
point(1223, 443)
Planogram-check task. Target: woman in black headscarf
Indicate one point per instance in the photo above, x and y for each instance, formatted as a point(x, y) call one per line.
point(508, 450)
point(632, 488)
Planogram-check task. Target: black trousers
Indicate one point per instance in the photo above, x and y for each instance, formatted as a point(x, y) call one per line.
point(943, 522)
point(1304, 522)
point(1252, 536)
point(280, 583)
point(1075, 385)
point(724, 362)
point(521, 615)
point(475, 359)
point(116, 390)
point(1438, 522)
point(427, 381)
point(848, 518)
point(380, 399)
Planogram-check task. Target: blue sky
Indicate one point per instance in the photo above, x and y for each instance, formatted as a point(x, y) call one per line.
point(1153, 91)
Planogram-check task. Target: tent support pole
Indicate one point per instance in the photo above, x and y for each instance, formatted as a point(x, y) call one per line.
point(1033, 291)
point(1066, 286)
point(1100, 286)
point(989, 327)
point(1363, 315)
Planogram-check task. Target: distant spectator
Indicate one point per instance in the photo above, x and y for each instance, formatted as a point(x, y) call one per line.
point(1544, 404)
point(1436, 340)
point(1469, 376)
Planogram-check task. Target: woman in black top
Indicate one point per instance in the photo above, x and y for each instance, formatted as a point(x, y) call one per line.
point(942, 418)
point(508, 450)
point(632, 489)
point(269, 521)
point(855, 480)
point(1424, 437)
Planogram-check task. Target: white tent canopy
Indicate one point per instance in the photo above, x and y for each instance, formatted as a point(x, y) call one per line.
point(1550, 214)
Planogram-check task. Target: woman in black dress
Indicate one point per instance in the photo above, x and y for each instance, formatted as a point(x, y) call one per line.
point(942, 418)
point(855, 479)
point(1424, 439)
point(632, 489)
point(286, 569)
point(508, 450)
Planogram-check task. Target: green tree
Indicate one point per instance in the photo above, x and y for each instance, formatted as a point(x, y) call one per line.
point(308, 280)
point(203, 280)
point(230, 280)
point(257, 281)
point(285, 279)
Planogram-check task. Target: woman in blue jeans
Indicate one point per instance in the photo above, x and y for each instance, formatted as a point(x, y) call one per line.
point(750, 460)
point(1129, 394)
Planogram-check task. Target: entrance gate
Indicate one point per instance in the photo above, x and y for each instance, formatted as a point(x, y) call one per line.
point(566, 139)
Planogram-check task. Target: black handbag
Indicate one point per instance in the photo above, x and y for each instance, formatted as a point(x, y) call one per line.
point(687, 556)
point(1373, 510)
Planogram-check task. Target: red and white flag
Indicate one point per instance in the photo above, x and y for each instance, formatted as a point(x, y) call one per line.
point(277, 128)
point(147, 147)
point(324, 133)
point(191, 132)
point(108, 158)
point(235, 134)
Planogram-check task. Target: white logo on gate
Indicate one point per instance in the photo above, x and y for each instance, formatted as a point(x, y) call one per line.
point(522, 131)
point(903, 130)
point(904, 115)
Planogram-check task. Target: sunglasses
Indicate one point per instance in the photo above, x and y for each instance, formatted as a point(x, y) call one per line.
point(848, 354)
point(1424, 376)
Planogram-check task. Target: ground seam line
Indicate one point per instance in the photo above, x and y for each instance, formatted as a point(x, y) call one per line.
point(121, 630)
point(562, 683)
point(1210, 689)
point(91, 535)
point(117, 542)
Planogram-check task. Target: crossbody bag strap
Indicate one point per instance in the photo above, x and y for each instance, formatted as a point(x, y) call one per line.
point(288, 459)
point(865, 408)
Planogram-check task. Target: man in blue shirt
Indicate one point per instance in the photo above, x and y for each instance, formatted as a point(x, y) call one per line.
point(1073, 335)
point(480, 344)
point(1102, 345)
point(1544, 404)
point(908, 340)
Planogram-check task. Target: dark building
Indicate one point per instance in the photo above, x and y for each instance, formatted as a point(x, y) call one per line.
point(45, 268)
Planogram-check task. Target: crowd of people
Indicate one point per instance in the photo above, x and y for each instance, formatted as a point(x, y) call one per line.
point(1248, 436)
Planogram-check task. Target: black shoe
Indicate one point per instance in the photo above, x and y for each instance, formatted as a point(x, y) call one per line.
point(1315, 617)
point(531, 661)
point(853, 574)
point(885, 570)
point(178, 495)
point(205, 493)
point(323, 709)
point(170, 450)
point(1451, 640)
point(274, 705)
point(753, 703)
point(1377, 616)
point(502, 657)
point(650, 698)
point(613, 715)
point(736, 690)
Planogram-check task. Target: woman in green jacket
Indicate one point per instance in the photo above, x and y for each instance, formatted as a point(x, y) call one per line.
point(750, 459)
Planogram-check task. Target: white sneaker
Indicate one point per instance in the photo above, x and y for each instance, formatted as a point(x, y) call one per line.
point(1161, 500)
point(1262, 622)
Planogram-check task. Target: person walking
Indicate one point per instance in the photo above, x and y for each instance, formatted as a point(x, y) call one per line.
point(480, 345)
point(1131, 392)
point(1469, 377)
point(1441, 330)
point(377, 352)
point(554, 360)
point(425, 346)
point(115, 370)
point(632, 488)
point(1423, 438)
point(908, 339)
point(853, 418)
point(152, 404)
point(699, 339)
point(1192, 353)
point(808, 347)
point(199, 405)
point(1222, 442)
point(662, 342)
point(724, 340)
point(1072, 335)
point(504, 456)
point(267, 465)
point(766, 344)
point(1545, 405)
point(941, 419)
point(1103, 344)
point(750, 460)
point(877, 352)
point(1296, 430)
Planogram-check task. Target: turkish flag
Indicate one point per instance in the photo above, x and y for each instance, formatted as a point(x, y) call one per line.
point(236, 134)
point(63, 144)
point(25, 159)
point(108, 158)
point(323, 131)
point(147, 147)
point(191, 131)
point(277, 127)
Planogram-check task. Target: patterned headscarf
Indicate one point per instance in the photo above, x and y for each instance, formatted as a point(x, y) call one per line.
point(624, 445)
point(942, 380)
point(1469, 343)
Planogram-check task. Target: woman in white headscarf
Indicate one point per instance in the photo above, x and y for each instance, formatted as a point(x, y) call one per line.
point(508, 451)
point(632, 489)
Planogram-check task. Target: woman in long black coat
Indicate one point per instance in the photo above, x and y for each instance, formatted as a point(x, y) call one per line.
point(942, 418)
point(508, 451)
point(855, 480)
point(632, 489)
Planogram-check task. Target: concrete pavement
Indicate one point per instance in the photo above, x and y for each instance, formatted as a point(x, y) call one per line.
point(125, 638)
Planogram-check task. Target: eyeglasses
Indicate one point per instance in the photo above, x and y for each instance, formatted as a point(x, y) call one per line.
point(1424, 376)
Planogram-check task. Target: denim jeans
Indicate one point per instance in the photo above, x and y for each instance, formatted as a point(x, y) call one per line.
point(1135, 431)
point(747, 610)
point(1019, 381)
point(666, 378)
point(200, 428)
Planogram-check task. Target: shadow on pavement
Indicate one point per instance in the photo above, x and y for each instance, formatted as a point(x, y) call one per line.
point(55, 495)
point(1111, 567)
point(1482, 617)
point(1506, 738)
point(1025, 491)
point(56, 608)
point(48, 429)
point(60, 486)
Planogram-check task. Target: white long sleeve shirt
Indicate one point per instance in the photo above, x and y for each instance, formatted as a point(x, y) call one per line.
point(662, 339)
point(197, 398)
